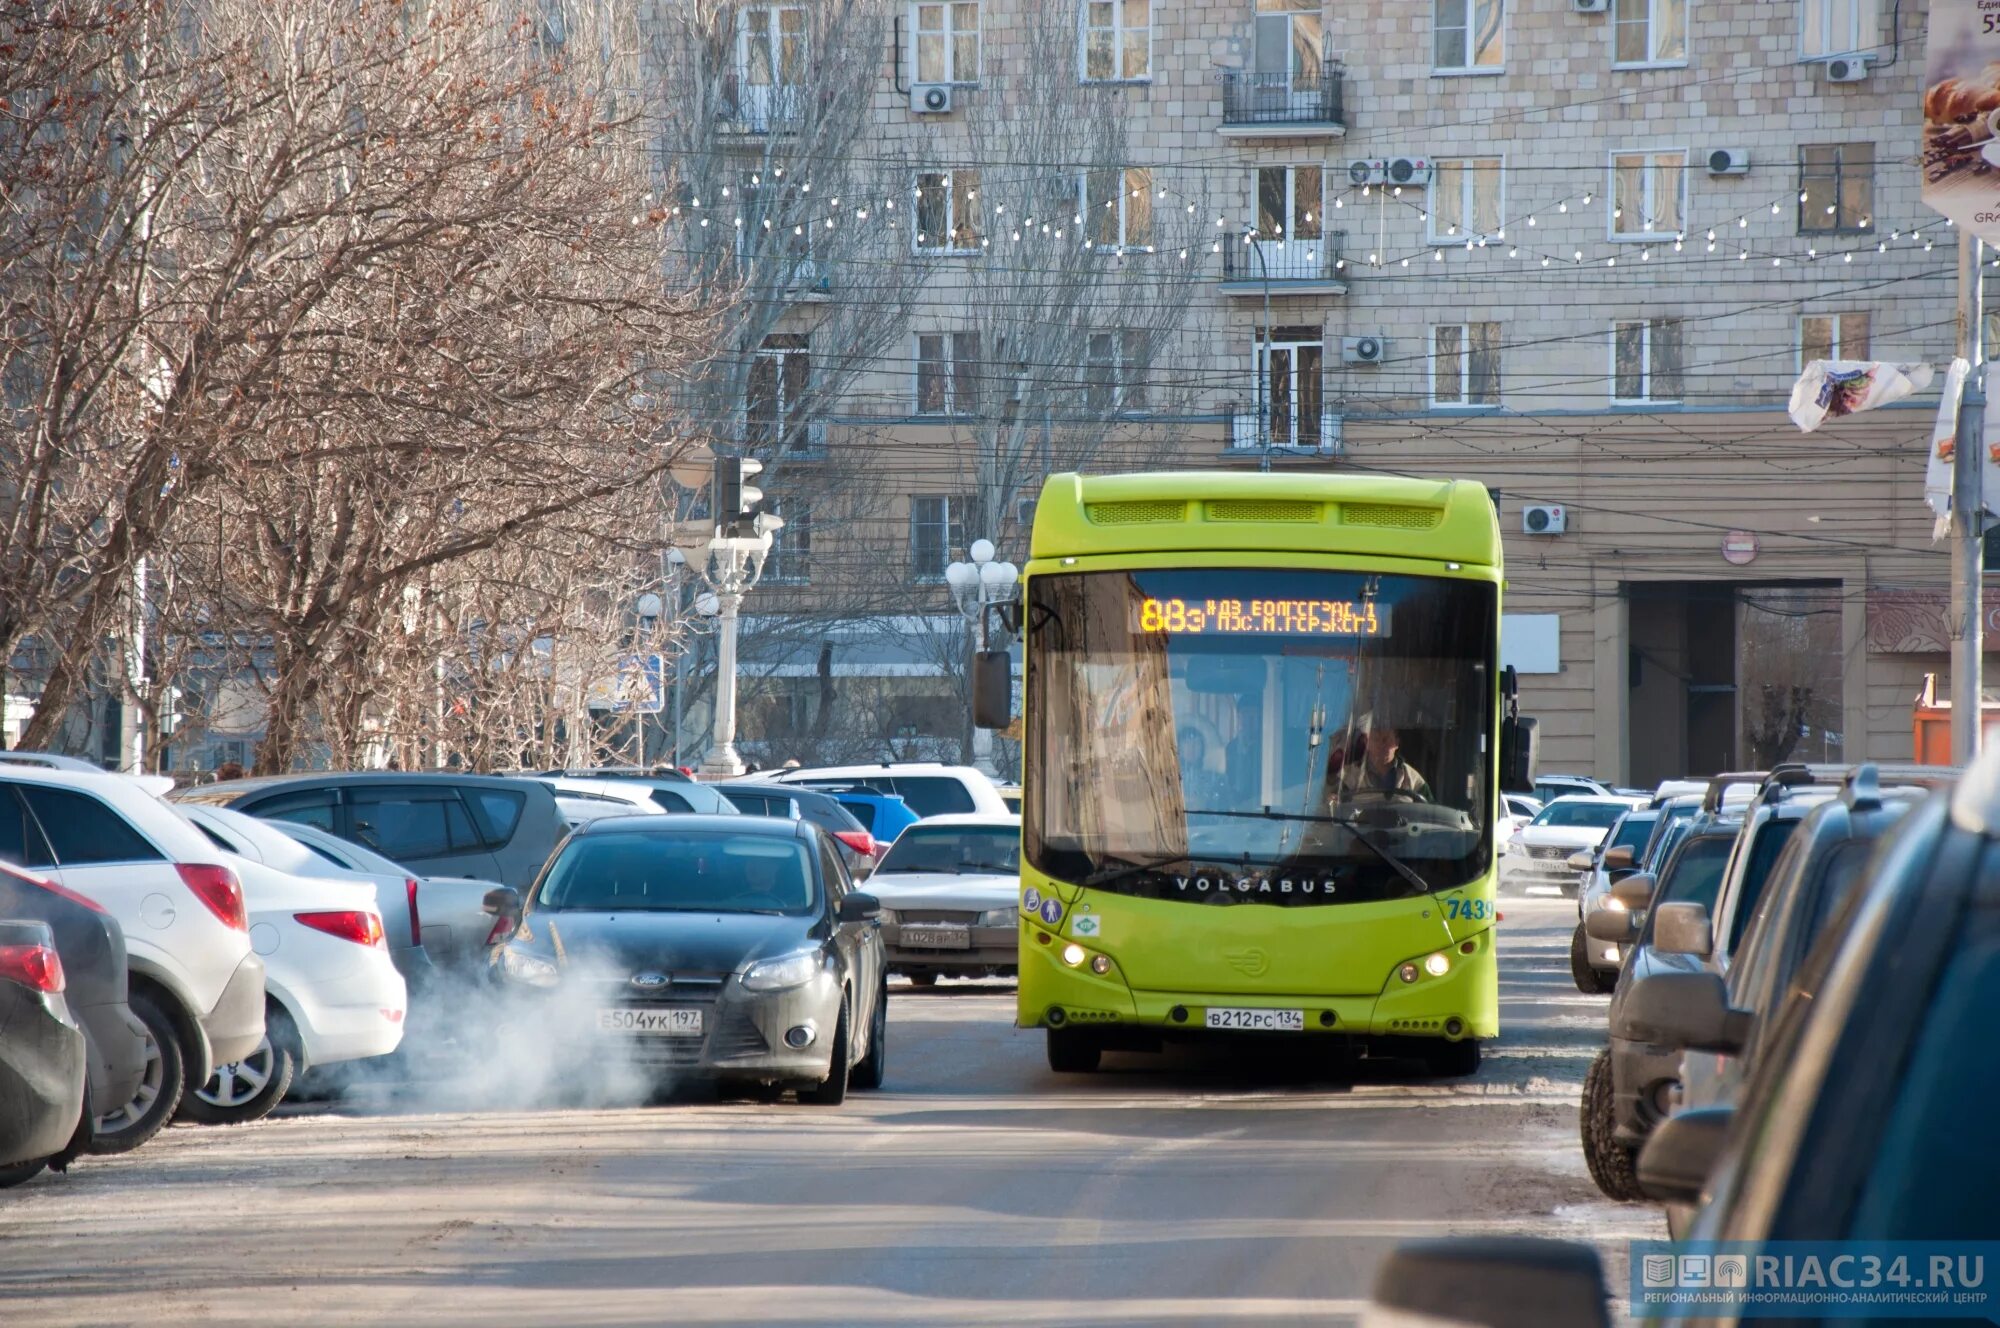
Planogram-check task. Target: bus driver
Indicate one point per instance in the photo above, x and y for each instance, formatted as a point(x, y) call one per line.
point(1378, 772)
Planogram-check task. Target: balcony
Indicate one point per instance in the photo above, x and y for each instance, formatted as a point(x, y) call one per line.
point(1302, 103)
point(1284, 267)
point(1289, 433)
point(753, 110)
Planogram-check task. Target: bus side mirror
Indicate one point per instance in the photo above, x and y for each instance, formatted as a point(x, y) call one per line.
point(1520, 750)
point(992, 689)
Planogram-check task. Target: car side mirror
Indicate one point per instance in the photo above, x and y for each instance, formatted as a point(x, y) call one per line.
point(1683, 929)
point(992, 689)
point(1582, 860)
point(857, 907)
point(503, 902)
point(1685, 1010)
point(1618, 859)
point(1635, 892)
point(1614, 926)
point(1681, 1152)
point(1494, 1281)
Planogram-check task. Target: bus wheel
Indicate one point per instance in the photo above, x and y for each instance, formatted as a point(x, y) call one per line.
point(1452, 1060)
point(1071, 1052)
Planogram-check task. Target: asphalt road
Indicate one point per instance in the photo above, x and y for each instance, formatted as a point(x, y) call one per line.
point(977, 1188)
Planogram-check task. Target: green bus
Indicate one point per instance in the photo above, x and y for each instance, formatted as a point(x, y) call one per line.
point(1262, 750)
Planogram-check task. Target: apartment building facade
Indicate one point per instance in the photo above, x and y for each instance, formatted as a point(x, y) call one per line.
point(1576, 249)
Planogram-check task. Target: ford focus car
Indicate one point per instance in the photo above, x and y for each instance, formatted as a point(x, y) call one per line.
point(731, 948)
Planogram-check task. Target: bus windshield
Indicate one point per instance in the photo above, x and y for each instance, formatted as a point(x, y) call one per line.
point(1259, 735)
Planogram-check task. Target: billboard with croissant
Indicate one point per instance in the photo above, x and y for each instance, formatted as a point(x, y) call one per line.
point(1961, 158)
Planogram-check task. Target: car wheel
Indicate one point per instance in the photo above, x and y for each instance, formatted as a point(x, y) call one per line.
point(1589, 981)
point(21, 1172)
point(1452, 1060)
point(1071, 1052)
point(832, 1090)
point(123, 1129)
point(249, 1089)
point(1611, 1163)
point(868, 1074)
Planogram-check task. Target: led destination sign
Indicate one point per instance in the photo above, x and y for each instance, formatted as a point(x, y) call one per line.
point(1262, 617)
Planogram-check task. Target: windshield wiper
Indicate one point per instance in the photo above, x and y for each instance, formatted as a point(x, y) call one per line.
point(1347, 823)
point(1127, 869)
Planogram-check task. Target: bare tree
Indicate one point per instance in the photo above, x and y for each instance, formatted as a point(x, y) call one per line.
point(1789, 671)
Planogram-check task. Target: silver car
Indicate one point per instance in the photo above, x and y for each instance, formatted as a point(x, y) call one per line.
point(950, 889)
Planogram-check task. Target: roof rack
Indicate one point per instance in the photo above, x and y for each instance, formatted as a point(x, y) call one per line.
point(1711, 801)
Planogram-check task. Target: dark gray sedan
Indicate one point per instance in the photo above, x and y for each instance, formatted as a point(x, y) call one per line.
point(731, 948)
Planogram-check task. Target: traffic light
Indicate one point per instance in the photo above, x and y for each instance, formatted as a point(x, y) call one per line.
point(739, 505)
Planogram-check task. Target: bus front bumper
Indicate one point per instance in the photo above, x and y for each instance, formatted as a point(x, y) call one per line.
point(1463, 1003)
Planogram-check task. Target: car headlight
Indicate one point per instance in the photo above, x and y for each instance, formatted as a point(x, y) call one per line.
point(887, 917)
point(999, 917)
point(1612, 904)
point(524, 967)
point(792, 970)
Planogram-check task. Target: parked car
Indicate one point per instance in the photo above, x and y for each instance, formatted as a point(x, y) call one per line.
point(1819, 870)
point(1516, 810)
point(42, 1058)
point(729, 948)
point(448, 911)
point(859, 849)
point(482, 826)
point(91, 945)
point(585, 800)
point(332, 991)
point(1854, 1121)
point(1550, 787)
point(1537, 859)
point(930, 788)
point(194, 980)
point(883, 815)
point(1614, 858)
point(950, 889)
point(1669, 789)
point(1011, 795)
point(672, 792)
point(664, 774)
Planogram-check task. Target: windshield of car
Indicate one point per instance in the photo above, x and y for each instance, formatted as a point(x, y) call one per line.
point(637, 872)
point(1576, 813)
point(1178, 723)
point(955, 848)
point(1695, 874)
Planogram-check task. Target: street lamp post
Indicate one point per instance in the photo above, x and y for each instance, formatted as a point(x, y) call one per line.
point(734, 567)
point(977, 586)
point(1263, 368)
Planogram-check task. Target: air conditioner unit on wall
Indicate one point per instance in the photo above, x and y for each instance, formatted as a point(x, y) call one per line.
point(1590, 6)
point(1544, 520)
point(1729, 161)
point(1413, 171)
point(1363, 350)
point(1367, 172)
point(930, 98)
point(1847, 69)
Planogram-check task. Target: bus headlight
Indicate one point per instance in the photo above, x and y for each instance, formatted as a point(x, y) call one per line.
point(1100, 965)
point(1072, 954)
point(1408, 972)
point(1437, 965)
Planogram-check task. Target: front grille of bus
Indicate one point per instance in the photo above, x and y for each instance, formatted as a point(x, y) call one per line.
point(1390, 515)
point(1242, 509)
point(1134, 514)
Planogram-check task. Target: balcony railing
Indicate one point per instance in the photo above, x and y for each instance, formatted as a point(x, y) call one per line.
point(1290, 431)
point(761, 108)
point(1307, 98)
point(1248, 266)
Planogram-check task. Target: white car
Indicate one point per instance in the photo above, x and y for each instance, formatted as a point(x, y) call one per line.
point(195, 982)
point(1516, 810)
point(449, 911)
point(928, 787)
point(582, 801)
point(1537, 858)
point(950, 889)
point(333, 992)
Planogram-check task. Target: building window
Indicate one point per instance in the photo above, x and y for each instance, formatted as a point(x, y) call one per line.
point(946, 38)
point(1468, 35)
point(947, 219)
point(1288, 39)
point(1832, 337)
point(1466, 200)
point(1836, 188)
point(937, 533)
point(790, 557)
point(1465, 364)
point(1118, 209)
point(780, 375)
point(1649, 32)
point(1117, 40)
point(1289, 366)
point(1989, 562)
point(1646, 362)
point(1648, 195)
point(947, 373)
point(1835, 27)
point(771, 45)
point(1114, 376)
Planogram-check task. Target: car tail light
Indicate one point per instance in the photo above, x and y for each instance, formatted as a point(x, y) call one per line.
point(34, 966)
point(859, 840)
point(218, 888)
point(357, 925)
point(59, 891)
point(503, 927)
point(416, 921)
